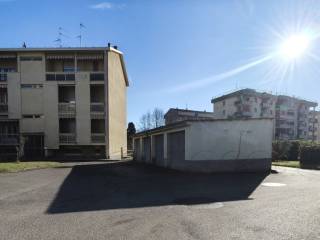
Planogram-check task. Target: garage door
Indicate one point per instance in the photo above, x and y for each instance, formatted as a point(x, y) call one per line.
point(158, 150)
point(147, 149)
point(136, 153)
point(176, 147)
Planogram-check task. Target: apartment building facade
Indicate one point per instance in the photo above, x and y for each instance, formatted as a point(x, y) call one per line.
point(63, 101)
point(291, 115)
point(178, 115)
point(314, 126)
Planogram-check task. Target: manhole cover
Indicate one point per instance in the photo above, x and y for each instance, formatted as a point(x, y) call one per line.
point(273, 184)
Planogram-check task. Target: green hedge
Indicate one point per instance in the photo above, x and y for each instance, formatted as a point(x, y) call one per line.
point(288, 150)
point(310, 156)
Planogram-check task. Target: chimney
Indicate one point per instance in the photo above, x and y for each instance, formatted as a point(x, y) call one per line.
point(115, 47)
point(109, 45)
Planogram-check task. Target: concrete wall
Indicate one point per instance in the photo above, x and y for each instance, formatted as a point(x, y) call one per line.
point(14, 96)
point(229, 107)
point(218, 146)
point(227, 140)
point(51, 124)
point(32, 72)
point(83, 121)
point(117, 112)
point(32, 125)
point(32, 101)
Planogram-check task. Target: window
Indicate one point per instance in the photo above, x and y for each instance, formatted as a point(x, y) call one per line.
point(271, 112)
point(224, 112)
point(223, 103)
point(30, 86)
point(255, 110)
point(31, 58)
point(60, 77)
point(31, 116)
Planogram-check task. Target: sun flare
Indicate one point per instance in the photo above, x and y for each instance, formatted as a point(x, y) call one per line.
point(294, 46)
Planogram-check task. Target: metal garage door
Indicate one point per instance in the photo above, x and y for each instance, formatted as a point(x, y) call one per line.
point(137, 150)
point(146, 149)
point(176, 147)
point(158, 150)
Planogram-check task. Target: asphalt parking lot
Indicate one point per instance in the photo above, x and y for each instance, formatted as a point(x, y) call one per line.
point(122, 200)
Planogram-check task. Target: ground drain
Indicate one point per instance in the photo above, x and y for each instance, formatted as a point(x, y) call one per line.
point(273, 184)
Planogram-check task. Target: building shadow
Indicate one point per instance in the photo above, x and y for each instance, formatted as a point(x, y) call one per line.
point(130, 185)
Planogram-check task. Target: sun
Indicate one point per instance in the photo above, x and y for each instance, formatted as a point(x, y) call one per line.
point(294, 46)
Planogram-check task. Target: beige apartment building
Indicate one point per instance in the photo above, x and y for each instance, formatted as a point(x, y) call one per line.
point(63, 101)
point(291, 115)
point(178, 115)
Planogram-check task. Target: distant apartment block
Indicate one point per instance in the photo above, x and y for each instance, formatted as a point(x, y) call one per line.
point(178, 115)
point(63, 101)
point(291, 115)
point(314, 126)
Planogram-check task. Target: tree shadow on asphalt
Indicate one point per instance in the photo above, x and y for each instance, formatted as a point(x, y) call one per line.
point(122, 185)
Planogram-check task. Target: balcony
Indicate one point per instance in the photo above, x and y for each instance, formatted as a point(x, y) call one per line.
point(3, 77)
point(97, 107)
point(3, 108)
point(67, 108)
point(56, 76)
point(97, 138)
point(97, 76)
point(66, 105)
point(67, 138)
point(9, 139)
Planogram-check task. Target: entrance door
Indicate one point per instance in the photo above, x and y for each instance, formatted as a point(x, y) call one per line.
point(33, 146)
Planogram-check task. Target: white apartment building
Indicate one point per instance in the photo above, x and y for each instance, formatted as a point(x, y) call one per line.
point(314, 126)
point(62, 101)
point(291, 114)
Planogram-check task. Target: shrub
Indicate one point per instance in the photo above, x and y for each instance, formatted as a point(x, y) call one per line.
point(310, 156)
point(288, 150)
point(280, 150)
point(293, 151)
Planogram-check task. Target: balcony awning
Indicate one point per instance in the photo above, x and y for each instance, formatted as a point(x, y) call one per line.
point(90, 57)
point(8, 56)
point(59, 57)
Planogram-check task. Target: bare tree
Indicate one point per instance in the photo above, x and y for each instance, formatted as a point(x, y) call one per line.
point(152, 120)
point(158, 117)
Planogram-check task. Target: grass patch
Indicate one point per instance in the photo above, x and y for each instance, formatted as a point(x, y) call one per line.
point(22, 166)
point(293, 164)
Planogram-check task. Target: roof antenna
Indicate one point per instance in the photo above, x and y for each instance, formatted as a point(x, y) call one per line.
point(24, 45)
point(80, 35)
point(59, 39)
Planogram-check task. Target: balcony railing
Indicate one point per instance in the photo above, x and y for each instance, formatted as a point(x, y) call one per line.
point(97, 107)
point(67, 108)
point(3, 77)
point(96, 76)
point(60, 77)
point(9, 139)
point(67, 138)
point(97, 137)
point(3, 108)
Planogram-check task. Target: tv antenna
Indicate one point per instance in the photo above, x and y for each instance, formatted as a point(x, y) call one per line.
point(81, 25)
point(60, 35)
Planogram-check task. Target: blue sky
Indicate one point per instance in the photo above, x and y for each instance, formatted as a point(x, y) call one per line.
point(180, 53)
